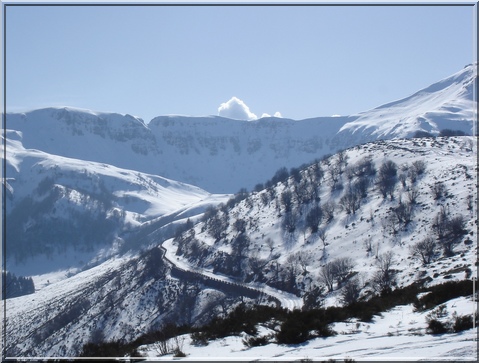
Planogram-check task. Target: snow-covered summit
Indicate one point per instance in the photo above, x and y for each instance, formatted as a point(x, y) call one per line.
point(445, 104)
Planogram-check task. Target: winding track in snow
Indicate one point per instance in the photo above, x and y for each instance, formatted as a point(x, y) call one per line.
point(286, 300)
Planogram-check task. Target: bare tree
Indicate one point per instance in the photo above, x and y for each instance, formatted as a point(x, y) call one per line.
point(289, 222)
point(349, 172)
point(162, 347)
point(281, 175)
point(439, 224)
point(470, 202)
point(257, 264)
point(327, 277)
point(412, 194)
point(342, 158)
point(439, 190)
point(419, 166)
point(217, 225)
point(328, 210)
point(335, 175)
point(404, 212)
point(350, 201)
point(336, 270)
point(417, 169)
point(402, 178)
point(240, 245)
point(239, 225)
point(387, 178)
point(384, 278)
point(412, 175)
point(368, 245)
point(425, 250)
point(322, 234)
point(448, 230)
point(391, 224)
point(361, 186)
point(287, 200)
point(318, 170)
point(166, 343)
point(304, 192)
point(304, 260)
point(265, 198)
point(364, 168)
point(351, 291)
point(456, 226)
point(295, 173)
point(342, 268)
point(313, 218)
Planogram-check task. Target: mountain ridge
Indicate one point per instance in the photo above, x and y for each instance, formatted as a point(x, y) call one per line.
point(192, 149)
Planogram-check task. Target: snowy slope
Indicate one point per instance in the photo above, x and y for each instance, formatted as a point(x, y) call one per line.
point(119, 299)
point(447, 104)
point(223, 155)
point(74, 207)
point(124, 297)
point(397, 335)
point(362, 236)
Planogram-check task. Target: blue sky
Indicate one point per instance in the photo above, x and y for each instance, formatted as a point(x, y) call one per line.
point(299, 61)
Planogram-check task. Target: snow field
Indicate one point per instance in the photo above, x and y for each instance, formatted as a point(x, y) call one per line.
point(396, 335)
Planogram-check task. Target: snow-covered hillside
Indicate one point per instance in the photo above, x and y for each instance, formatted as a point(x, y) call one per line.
point(223, 155)
point(397, 335)
point(115, 222)
point(119, 299)
point(447, 104)
point(61, 211)
point(256, 242)
point(256, 246)
point(285, 235)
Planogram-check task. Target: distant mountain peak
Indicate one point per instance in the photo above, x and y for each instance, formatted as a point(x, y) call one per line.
point(445, 104)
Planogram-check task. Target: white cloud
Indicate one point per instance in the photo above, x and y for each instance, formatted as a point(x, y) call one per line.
point(276, 114)
point(236, 109)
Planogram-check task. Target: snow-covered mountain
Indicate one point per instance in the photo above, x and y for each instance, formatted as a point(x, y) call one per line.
point(447, 104)
point(252, 243)
point(61, 211)
point(94, 201)
point(223, 155)
point(284, 235)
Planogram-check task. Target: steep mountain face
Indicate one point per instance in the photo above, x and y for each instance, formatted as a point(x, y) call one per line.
point(222, 155)
point(226, 155)
point(217, 154)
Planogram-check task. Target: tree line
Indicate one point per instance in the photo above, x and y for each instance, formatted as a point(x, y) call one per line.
point(14, 286)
